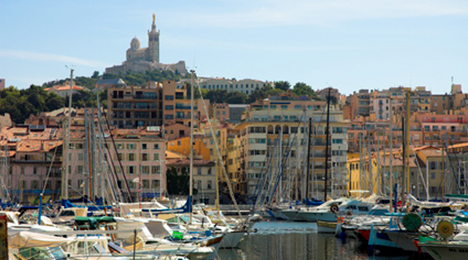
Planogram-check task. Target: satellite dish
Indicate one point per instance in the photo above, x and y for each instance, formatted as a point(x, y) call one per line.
point(412, 222)
point(445, 229)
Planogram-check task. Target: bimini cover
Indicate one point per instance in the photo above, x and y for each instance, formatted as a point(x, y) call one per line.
point(126, 208)
point(30, 239)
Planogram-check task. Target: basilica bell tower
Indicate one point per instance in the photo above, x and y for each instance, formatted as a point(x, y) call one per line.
point(153, 42)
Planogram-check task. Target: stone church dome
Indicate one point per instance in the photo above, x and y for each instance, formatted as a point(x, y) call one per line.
point(135, 43)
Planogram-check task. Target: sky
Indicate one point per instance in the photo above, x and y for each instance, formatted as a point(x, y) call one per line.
point(345, 44)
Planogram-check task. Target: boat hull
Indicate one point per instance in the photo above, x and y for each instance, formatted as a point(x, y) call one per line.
point(326, 226)
point(380, 244)
point(232, 239)
point(446, 250)
point(403, 239)
point(293, 215)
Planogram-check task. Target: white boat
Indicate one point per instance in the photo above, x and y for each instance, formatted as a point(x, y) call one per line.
point(453, 250)
point(330, 209)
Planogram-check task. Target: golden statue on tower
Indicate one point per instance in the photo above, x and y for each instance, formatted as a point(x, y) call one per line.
point(154, 17)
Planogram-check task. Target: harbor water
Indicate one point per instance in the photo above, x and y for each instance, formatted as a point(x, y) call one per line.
point(294, 240)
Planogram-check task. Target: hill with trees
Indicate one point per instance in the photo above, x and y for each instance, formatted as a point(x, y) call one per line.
point(20, 104)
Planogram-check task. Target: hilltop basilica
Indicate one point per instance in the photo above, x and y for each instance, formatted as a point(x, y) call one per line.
point(146, 59)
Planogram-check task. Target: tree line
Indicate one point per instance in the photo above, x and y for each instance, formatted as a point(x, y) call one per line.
point(20, 104)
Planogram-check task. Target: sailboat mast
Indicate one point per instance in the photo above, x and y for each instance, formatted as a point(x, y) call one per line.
point(192, 93)
point(216, 160)
point(280, 165)
point(390, 125)
point(370, 183)
point(308, 159)
point(407, 133)
point(327, 133)
point(66, 142)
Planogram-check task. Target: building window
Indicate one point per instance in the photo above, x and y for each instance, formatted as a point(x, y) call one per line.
point(199, 171)
point(208, 186)
point(155, 169)
point(144, 146)
point(131, 169)
point(169, 97)
point(156, 157)
point(131, 157)
point(80, 184)
point(130, 146)
point(155, 184)
point(35, 185)
point(34, 170)
point(144, 157)
point(146, 184)
point(145, 169)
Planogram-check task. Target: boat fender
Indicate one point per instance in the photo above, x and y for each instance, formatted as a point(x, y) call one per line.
point(334, 208)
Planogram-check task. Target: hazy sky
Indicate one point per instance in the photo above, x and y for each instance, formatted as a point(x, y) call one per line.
point(346, 44)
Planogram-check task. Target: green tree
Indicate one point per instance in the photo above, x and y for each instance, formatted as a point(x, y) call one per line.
point(259, 94)
point(178, 184)
point(217, 96)
point(83, 98)
point(302, 89)
point(95, 75)
point(283, 85)
point(236, 97)
point(275, 92)
point(54, 102)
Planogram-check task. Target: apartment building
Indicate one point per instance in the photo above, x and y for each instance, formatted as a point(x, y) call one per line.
point(359, 103)
point(204, 177)
point(246, 86)
point(221, 112)
point(273, 126)
point(458, 154)
point(182, 146)
point(131, 107)
point(156, 104)
point(233, 163)
point(235, 112)
point(139, 153)
point(29, 157)
point(441, 103)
